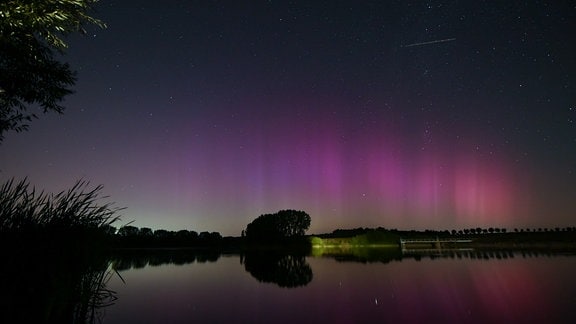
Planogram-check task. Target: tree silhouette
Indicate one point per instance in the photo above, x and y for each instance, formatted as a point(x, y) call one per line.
point(128, 231)
point(186, 237)
point(282, 225)
point(108, 229)
point(30, 34)
point(162, 234)
point(145, 232)
point(209, 237)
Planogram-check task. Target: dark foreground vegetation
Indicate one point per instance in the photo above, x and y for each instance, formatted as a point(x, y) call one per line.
point(29, 218)
point(54, 262)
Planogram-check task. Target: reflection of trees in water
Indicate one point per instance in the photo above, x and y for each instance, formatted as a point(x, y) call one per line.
point(60, 286)
point(137, 259)
point(285, 270)
point(366, 255)
point(53, 286)
point(484, 254)
point(373, 255)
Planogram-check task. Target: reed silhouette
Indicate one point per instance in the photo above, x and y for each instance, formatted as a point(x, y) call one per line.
point(27, 211)
point(54, 246)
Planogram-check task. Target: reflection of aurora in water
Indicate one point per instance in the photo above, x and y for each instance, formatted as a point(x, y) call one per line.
point(386, 255)
point(45, 287)
point(369, 286)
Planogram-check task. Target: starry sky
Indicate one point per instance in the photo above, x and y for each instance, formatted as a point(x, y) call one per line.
point(203, 115)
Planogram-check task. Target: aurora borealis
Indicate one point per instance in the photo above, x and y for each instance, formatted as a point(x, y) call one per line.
point(204, 115)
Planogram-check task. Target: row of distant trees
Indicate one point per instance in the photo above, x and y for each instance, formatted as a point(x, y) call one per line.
point(444, 233)
point(144, 236)
point(283, 226)
point(493, 230)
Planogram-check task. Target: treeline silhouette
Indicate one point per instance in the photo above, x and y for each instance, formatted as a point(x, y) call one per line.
point(479, 235)
point(448, 233)
point(490, 230)
point(132, 236)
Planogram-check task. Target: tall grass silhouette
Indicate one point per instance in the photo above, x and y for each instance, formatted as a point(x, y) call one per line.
point(56, 246)
point(23, 208)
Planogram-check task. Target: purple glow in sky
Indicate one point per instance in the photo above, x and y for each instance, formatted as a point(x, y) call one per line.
point(205, 116)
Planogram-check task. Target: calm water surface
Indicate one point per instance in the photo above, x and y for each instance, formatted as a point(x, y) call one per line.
point(502, 289)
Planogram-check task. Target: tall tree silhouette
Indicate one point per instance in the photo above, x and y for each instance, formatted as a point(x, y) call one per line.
point(281, 225)
point(30, 74)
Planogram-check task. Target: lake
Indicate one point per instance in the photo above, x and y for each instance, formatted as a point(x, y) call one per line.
point(463, 286)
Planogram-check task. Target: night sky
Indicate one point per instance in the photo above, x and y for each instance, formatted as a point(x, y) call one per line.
point(203, 115)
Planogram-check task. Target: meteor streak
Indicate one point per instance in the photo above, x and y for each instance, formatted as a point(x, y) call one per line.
point(430, 42)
